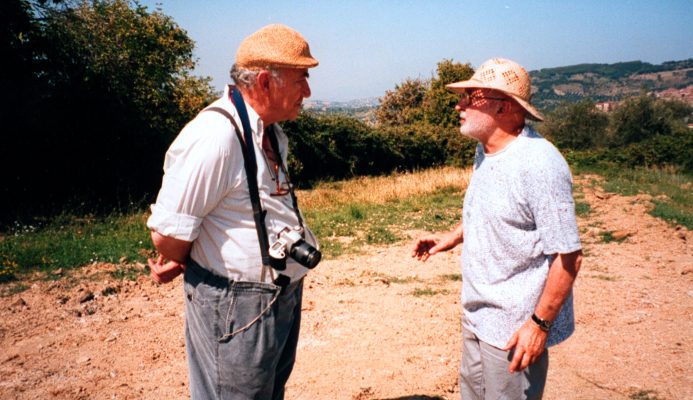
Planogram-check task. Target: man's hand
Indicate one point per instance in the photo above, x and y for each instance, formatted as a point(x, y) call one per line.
point(529, 342)
point(162, 271)
point(430, 245)
point(425, 247)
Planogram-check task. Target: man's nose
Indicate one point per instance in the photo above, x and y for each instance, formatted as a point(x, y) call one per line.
point(306, 90)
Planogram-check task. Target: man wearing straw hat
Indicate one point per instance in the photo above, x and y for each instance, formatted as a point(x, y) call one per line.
point(520, 247)
point(242, 317)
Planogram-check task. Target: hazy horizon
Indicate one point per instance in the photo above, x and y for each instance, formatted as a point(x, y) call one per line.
point(367, 47)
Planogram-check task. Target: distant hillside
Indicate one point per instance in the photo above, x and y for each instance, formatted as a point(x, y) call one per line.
point(361, 109)
point(607, 82)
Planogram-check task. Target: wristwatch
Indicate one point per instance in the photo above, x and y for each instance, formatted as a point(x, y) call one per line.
point(544, 325)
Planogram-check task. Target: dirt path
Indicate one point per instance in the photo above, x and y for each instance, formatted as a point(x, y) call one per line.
point(376, 326)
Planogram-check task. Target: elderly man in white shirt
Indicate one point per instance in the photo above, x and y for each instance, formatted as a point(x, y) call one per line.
point(242, 317)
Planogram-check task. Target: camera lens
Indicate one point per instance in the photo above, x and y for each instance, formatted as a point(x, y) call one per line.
point(305, 254)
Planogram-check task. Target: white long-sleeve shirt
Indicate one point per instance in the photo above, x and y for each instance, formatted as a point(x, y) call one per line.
point(204, 196)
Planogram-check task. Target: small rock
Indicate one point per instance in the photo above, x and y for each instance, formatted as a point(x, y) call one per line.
point(89, 296)
point(620, 234)
point(602, 195)
point(109, 291)
point(58, 272)
point(83, 360)
point(681, 235)
point(123, 260)
point(19, 303)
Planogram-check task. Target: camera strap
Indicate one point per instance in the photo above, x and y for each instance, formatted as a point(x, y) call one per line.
point(250, 162)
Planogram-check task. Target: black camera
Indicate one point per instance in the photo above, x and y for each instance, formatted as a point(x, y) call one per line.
point(290, 241)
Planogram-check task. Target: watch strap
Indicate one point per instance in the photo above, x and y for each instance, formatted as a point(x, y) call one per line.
point(544, 325)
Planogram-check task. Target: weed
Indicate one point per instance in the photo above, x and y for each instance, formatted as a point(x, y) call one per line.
point(644, 395)
point(428, 292)
point(452, 277)
point(126, 272)
point(380, 235)
point(582, 209)
point(608, 237)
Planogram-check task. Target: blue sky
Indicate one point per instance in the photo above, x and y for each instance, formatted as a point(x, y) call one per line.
point(367, 47)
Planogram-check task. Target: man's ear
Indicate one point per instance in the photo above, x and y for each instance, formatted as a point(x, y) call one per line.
point(263, 80)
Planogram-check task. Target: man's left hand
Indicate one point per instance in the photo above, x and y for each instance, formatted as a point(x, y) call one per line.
point(529, 342)
point(164, 271)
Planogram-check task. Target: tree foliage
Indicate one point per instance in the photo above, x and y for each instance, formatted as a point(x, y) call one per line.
point(404, 104)
point(439, 103)
point(105, 86)
point(577, 126)
point(641, 131)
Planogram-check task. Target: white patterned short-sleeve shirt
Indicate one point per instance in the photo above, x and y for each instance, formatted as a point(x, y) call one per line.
point(518, 213)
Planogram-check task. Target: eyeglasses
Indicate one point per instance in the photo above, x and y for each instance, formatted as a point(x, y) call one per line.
point(282, 189)
point(475, 99)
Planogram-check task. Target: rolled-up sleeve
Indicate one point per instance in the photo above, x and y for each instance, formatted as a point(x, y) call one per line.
point(196, 178)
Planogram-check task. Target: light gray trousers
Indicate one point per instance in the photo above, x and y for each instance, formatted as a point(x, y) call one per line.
point(240, 337)
point(484, 373)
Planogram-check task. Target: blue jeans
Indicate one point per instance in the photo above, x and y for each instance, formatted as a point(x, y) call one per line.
point(240, 336)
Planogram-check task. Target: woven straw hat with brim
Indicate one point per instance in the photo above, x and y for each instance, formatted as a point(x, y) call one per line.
point(505, 76)
point(275, 46)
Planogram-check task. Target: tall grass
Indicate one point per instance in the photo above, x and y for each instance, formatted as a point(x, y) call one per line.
point(346, 215)
point(379, 190)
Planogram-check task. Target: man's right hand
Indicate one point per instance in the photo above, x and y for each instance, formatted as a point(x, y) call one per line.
point(430, 245)
point(425, 247)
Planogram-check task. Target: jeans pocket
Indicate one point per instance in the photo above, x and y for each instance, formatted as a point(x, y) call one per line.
point(248, 303)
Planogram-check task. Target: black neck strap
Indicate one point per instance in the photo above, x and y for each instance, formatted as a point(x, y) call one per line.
point(245, 137)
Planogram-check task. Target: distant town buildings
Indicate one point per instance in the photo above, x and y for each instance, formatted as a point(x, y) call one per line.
point(685, 94)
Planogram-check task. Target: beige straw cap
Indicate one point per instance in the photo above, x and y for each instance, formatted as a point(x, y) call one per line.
point(275, 46)
point(503, 75)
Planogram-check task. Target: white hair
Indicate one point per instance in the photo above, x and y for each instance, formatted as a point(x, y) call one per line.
point(246, 78)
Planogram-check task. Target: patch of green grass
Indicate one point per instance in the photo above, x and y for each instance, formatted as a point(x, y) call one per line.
point(428, 292)
point(69, 242)
point(382, 224)
point(451, 277)
point(126, 272)
point(608, 237)
point(672, 190)
point(582, 209)
point(644, 395)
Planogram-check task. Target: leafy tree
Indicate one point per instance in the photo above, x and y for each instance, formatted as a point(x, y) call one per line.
point(640, 118)
point(403, 105)
point(439, 103)
point(112, 87)
point(577, 126)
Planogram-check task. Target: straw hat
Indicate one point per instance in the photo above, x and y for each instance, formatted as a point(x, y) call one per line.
point(275, 46)
point(503, 75)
